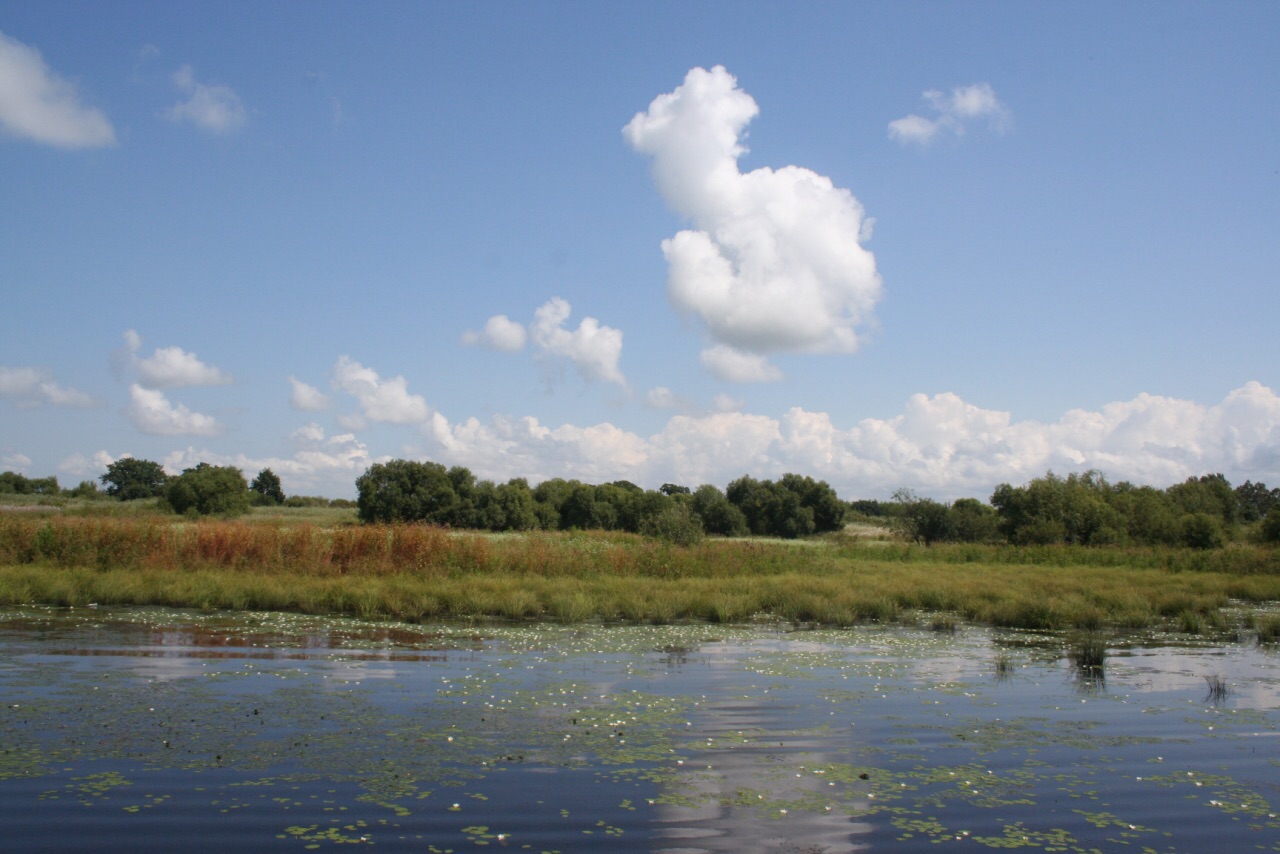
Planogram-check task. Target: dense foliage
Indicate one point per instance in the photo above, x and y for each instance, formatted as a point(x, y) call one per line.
point(1085, 509)
point(12, 483)
point(208, 490)
point(409, 491)
point(129, 478)
point(1080, 509)
point(266, 489)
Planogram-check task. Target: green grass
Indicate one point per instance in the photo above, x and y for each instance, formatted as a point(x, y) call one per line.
point(314, 560)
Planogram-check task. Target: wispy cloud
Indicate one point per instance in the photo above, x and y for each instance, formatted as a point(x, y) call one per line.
point(39, 105)
point(29, 386)
point(952, 114)
point(774, 262)
point(214, 108)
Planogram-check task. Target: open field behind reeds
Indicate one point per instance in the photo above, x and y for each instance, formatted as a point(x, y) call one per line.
point(415, 572)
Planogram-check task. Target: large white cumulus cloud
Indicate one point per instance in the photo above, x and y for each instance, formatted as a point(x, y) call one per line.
point(774, 261)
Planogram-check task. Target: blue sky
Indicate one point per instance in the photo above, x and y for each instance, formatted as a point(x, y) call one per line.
point(939, 246)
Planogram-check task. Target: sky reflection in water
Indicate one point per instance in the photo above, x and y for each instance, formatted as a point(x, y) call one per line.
point(288, 732)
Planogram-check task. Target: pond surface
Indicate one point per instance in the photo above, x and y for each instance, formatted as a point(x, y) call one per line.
point(145, 728)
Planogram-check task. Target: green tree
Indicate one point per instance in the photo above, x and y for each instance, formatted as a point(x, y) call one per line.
point(208, 490)
point(1053, 509)
point(1255, 500)
point(1210, 493)
point(818, 496)
point(1150, 515)
point(974, 522)
point(406, 491)
point(550, 496)
point(922, 520)
point(12, 483)
point(267, 489)
point(718, 515)
point(510, 507)
point(1202, 531)
point(129, 478)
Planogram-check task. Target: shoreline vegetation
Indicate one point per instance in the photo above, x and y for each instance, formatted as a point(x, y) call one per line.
point(319, 561)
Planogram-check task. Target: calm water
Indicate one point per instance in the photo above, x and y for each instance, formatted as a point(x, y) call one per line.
point(122, 729)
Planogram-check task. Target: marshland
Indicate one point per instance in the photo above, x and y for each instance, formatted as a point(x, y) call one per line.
point(293, 678)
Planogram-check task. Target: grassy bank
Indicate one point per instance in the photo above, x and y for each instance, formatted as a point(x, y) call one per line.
point(417, 573)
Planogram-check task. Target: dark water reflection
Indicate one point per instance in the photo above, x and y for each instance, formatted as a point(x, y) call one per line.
point(122, 730)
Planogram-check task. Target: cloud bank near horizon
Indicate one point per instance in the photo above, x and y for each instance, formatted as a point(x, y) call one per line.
point(940, 445)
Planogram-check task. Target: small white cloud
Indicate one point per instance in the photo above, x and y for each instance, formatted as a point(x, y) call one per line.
point(774, 261)
point(500, 333)
point(953, 112)
point(913, 128)
point(214, 108)
point(15, 462)
point(592, 348)
point(380, 400)
point(167, 367)
point(30, 387)
point(735, 366)
point(152, 413)
point(37, 104)
point(173, 367)
point(307, 398)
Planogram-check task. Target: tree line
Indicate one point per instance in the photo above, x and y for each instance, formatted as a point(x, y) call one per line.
point(1085, 509)
point(1078, 509)
point(201, 490)
point(412, 491)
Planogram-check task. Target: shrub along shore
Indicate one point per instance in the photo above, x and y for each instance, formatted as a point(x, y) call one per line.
point(417, 572)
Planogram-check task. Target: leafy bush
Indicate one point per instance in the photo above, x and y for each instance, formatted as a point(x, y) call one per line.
point(207, 490)
point(676, 524)
point(1202, 531)
point(1270, 529)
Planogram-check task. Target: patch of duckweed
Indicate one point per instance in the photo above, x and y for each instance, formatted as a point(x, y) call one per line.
point(1018, 835)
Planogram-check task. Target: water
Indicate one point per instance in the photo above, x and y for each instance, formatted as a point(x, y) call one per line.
point(122, 729)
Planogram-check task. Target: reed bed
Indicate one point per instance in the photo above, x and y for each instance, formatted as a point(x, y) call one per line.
point(416, 572)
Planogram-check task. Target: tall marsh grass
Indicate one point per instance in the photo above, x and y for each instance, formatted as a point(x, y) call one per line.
point(417, 572)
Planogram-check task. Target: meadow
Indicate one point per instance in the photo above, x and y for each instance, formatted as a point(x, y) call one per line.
point(318, 561)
